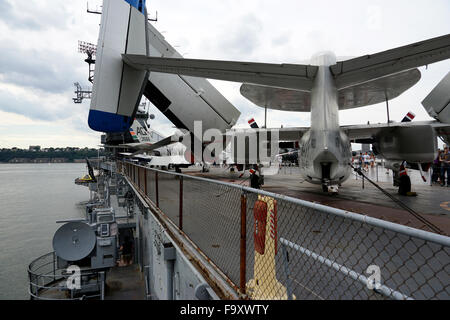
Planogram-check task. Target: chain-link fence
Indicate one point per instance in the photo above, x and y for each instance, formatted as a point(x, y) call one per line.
point(276, 247)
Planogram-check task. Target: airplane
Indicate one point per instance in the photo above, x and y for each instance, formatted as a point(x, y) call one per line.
point(134, 60)
point(140, 136)
point(166, 157)
point(174, 155)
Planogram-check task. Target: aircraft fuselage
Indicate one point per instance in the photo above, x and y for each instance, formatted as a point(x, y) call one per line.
point(325, 149)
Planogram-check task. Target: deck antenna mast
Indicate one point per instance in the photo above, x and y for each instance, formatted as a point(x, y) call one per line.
point(90, 50)
point(81, 93)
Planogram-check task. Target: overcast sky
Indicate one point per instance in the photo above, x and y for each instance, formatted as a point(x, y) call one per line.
point(39, 61)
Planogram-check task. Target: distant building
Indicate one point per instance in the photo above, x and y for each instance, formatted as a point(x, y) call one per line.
point(35, 148)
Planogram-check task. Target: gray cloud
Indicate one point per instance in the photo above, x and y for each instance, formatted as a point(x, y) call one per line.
point(282, 39)
point(242, 38)
point(36, 15)
point(12, 103)
point(45, 70)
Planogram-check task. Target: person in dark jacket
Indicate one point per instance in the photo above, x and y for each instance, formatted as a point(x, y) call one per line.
point(445, 166)
point(255, 178)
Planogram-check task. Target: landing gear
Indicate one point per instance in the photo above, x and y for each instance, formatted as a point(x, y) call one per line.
point(333, 190)
point(326, 173)
point(330, 189)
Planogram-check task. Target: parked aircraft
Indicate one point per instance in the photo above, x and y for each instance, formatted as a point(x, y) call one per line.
point(143, 136)
point(133, 59)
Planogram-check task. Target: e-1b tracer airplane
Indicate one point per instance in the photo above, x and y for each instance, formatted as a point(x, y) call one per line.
point(134, 60)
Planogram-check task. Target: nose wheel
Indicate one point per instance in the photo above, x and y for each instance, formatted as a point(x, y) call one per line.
point(330, 189)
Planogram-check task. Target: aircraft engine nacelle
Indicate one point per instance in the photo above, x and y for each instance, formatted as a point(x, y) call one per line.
point(416, 144)
point(118, 88)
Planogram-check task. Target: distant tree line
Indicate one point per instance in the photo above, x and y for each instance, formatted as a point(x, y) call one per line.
point(69, 154)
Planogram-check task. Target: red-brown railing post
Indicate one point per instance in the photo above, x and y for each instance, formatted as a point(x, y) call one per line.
point(145, 181)
point(139, 178)
point(156, 191)
point(181, 204)
point(243, 250)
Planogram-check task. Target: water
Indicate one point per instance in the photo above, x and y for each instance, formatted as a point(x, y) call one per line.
point(32, 198)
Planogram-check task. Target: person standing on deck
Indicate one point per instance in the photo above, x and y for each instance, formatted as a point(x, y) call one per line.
point(445, 166)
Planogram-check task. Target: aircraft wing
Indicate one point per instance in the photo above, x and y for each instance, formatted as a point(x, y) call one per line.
point(135, 145)
point(292, 134)
point(363, 69)
point(145, 147)
point(360, 95)
point(293, 76)
point(284, 134)
point(362, 81)
point(167, 160)
point(347, 73)
point(366, 133)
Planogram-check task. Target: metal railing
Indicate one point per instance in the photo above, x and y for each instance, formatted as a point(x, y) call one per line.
point(48, 282)
point(272, 246)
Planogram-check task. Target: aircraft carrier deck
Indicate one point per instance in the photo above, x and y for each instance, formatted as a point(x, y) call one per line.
point(207, 236)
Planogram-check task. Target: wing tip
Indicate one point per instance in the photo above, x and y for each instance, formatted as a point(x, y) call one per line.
point(108, 122)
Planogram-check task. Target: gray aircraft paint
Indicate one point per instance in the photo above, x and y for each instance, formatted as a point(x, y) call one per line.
point(324, 142)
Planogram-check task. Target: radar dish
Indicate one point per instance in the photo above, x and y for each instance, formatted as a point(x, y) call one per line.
point(74, 241)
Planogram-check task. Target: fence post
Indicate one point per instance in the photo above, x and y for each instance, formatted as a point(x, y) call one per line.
point(377, 170)
point(181, 204)
point(139, 178)
point(243, 249)
point(156, 191)
point(145, 181)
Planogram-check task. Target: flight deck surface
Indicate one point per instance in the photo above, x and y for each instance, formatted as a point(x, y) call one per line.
point(432, 202)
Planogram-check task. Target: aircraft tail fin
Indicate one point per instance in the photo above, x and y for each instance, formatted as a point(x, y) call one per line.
point(139, 131)
point(409, 117)
point(133, 131)
point(118, 88)
point(438, 101)
point(253, 123)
